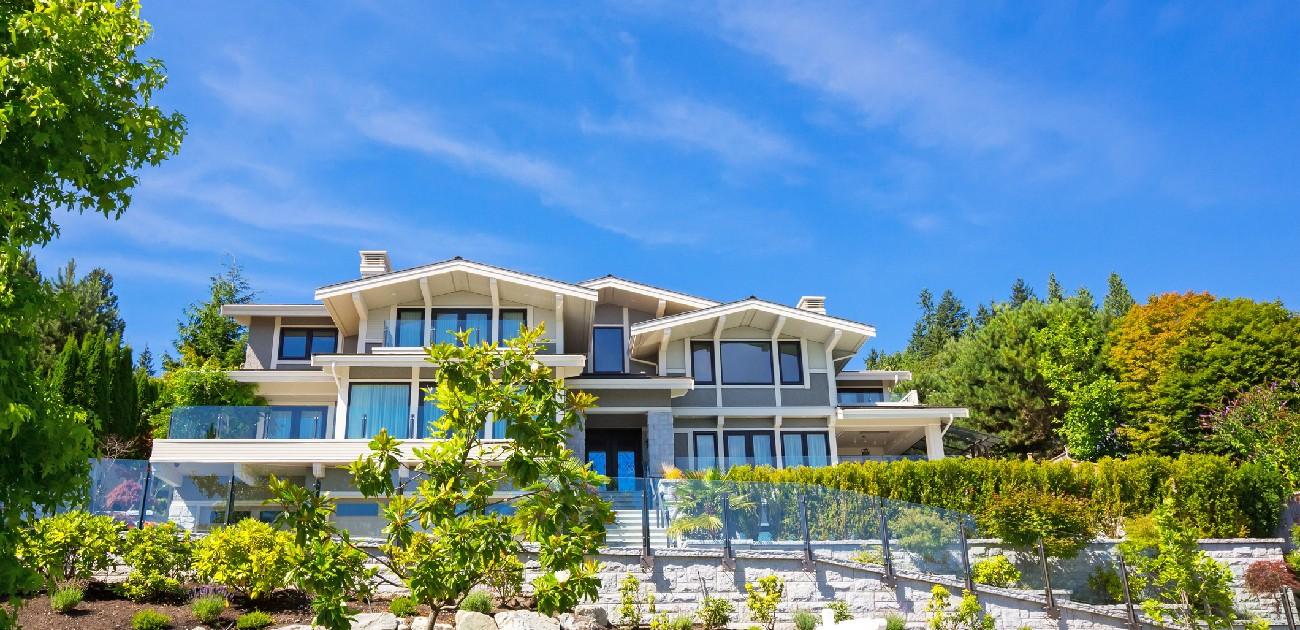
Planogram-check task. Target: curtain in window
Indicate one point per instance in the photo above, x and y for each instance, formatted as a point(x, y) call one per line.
point(428, 413)
point(410, 328)
point(763, 452)
point(482, 325)
point(511, 322)
point(373, 406)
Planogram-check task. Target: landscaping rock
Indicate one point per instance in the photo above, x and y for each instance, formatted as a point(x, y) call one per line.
point(296, 626)
point(525, 620)
point(594, 613)
point(375, 621)
point(467, 620)
point(571, 621)
point(420, 623)
point(859, 624)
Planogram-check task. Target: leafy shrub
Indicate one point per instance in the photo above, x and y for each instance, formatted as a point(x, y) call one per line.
point(923, 531)
point(840, 609)
point(895, 622)
point(65, 599)
point(149, 619)
point(403, 607)
point(255, 620)
point(1262, 489)
point(629, 602)
point(805, 620)
point(250, 557)
point(1019, 518)
point(762, 599)
point(1268, 577)
point(715, 613)
point(477, 601)
point(868, 556)
point(159, 557)
point(1106, 586)
point(70, 546)
point(968, 615)
point(995, 571)
point(208, 609)
point(681, 622)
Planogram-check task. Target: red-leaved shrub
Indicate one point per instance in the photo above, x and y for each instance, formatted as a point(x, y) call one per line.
point(1269, 576)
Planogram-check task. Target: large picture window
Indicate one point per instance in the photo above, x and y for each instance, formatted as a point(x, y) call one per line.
point(298, 344)
point(791, 360)
point(375, 406)
point(702, 362)
point(706, 450)
point(749, 448)
point(297, 423)
point(512, 322)
point(448, 322)
point(607, 349)
point(746, 362)
point(409, 329)
point(805, 448)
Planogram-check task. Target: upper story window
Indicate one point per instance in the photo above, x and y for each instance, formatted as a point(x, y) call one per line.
point(746, 362)
point(447, 322)
point(791, 360)
point(409, 331)
point(511, 322)
point(607, 349)
point(702, 362)
point(298, 344)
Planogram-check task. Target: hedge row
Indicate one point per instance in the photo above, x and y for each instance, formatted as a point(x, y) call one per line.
point(1212, 494)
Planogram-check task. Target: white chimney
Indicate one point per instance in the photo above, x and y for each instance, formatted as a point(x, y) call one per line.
point(374, 262)
point(814, 303)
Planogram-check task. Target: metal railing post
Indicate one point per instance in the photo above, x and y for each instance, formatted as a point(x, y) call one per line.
point(646, 560)
point(230, 499)
point(1129, 609)
point(316, 486)
point(965, 557)
point(884, 542)
point(1287, 601)
point(728, 559)
point(807, 535)
point(144, 495)
point(1047, 578)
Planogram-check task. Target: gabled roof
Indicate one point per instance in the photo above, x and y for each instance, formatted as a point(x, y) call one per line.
point(614, 282)
point(753, 303)
point(456, 264)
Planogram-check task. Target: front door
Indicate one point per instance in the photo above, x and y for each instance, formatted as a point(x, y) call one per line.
point(616, 453)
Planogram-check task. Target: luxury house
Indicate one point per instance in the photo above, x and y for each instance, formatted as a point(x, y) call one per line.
point(682, 380)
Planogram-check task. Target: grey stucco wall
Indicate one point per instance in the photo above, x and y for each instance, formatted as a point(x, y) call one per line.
point(631, 397)
point(748, 397)
point(261, 340)
point(816, 394)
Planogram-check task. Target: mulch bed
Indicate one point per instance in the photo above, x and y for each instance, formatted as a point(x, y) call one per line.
point(104, 608)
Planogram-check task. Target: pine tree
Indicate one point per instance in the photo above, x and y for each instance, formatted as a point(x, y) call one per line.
point(1118, 300)
point(982, 316)
point(92, 393)
point(65, 378)
point(1021, 292)
point(1054, 291)
point(207, 336)
point(145, 361)
point(950, 319)
point(125, 415)
point(921, 330)
point(1085, 296)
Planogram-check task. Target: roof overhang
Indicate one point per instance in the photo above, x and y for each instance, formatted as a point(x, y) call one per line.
point(874, 375)
point(848, 336)
point(917, 416)
point(242, 313)
point(645, 297)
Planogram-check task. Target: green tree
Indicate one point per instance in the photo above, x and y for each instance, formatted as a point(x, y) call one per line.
point(1054, 291)
point(1169, 569)
point(82, 305)
point(937, 325)
point(76, 126)
point(1118, 300)
point(1262, 426)
point(450, 530)
point(205, 385)
point(205, 335)
point(1071, 362)
point(1021, 292)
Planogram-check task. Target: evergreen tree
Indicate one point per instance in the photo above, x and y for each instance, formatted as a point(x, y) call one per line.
point(1054, 291)
point(124, 417)
point(1118, 300)
point(1021, 293)
point(921, 330)
point(982, 316)
point(82, 305)
point(937, 325)
point(205, 335)
point(65, 378)
point(145, 361)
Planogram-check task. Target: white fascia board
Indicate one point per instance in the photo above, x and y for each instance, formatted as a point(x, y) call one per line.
point(598, 384)
point(274, 310)
point(537, 282)
point(612, 282)
point(280, 376)
point(900, 413)
point(790, 312)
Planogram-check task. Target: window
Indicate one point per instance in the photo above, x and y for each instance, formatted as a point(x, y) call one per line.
point(746, 363)
point(349, 508)
point(447, 322)
point(607, 349)
point(298, 344)
point(706, 450)
point(409, 329)
point(297, 423)
point(511, 322)
point(805, 448)
point(749, 448)
point(791, 360)
point(860, 396)
point(702, 362)
point(375, 406)
point(427, 413)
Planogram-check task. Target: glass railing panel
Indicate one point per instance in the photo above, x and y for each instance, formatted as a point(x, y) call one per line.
point(857, 459)
point(194, 496)
point(250, 423)
point(117, 488)
point(692, 511)
point(924, 539)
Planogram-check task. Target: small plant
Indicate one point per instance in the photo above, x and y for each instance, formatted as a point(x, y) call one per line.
point(65, 599)
point(159, 557)
point(1268, 577)
point(968, 616)
point(249, 556)
point(630, 610)
point(715, 613)
point(895, 622)
point(403, 606)
point(208, 609)
point(659, 621)
point(840, 610)
point(1106, 586)
point(149, 619)
point(762, 599)
point(681, 622)
point(867, 555)
point(1066, 524)
point(805, 620)
point(477, 601)
point(995, 571)
point(255, 620)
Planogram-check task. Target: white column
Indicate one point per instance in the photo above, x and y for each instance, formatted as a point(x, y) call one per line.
point(832, 443)
point(933, 441)
point(341, 403)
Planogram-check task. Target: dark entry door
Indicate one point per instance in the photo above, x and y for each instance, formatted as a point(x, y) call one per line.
point(616, 453)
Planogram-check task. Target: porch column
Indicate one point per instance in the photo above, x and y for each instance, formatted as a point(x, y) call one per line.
point(933, 442)
point(659, 438)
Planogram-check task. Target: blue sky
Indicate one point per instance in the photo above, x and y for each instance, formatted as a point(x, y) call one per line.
point(860, 151)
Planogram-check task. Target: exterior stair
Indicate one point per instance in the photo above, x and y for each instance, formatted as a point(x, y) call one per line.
point(625, 531)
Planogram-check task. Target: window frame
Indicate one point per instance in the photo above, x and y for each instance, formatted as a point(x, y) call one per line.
point(695, 372)
point(749, 435)
point(309, 340)
point(803, 442)
point(461, 319)
point(722, 364)
point(840, 391)
point(397, 325)
point(798, 357)
point(295, 420)
point(622, 355)
point(501, 321)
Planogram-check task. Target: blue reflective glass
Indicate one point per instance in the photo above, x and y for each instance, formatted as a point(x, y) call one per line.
point(375, 406)
point(746, 362)
point(410, 327)
point(607, 349)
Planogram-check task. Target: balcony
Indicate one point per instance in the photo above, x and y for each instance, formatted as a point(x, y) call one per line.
point(250, 423)
point(876, 398)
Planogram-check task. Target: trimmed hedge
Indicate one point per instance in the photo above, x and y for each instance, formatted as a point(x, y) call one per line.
point(1214, 496)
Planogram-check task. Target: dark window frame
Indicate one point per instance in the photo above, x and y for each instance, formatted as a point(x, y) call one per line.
point(622, 354)
point(798, 358)
point(749, 435)
point(462, 319)
point(839, 393)
point(695, 447)
point(296, 420)
point(695, 371)
point(309, 341)
point(424, 326)
point(803, 442)
point(501, 322)
point(722, 362)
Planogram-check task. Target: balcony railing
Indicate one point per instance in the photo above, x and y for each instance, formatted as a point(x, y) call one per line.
point(852, 398)
point(411, 335)
point(250, 423)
